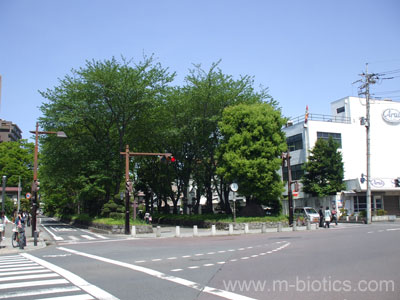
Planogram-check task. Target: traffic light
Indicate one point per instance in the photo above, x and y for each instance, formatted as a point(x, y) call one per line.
point(397, 182)
point(167, 158)
point(35, 186)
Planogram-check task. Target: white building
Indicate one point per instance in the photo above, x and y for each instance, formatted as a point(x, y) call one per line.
point(344, 125)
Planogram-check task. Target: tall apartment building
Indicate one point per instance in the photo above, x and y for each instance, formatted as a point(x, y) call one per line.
point(345, 125)
point(9, 131)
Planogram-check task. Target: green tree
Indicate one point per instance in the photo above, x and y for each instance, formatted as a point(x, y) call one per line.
point(16, 161)
point(324, 169)
point(250, 151)
point(102, 107)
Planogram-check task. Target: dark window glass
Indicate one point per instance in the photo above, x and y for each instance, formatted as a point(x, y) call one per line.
point(295, 142)
point(337, 137)
point(297, 172)
point(340, 110)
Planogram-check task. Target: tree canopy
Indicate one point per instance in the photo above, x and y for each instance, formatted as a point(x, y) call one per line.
point(324, 170)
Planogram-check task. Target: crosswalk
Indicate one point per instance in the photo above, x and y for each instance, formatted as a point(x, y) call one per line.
point(70, 234)
point(24, 276)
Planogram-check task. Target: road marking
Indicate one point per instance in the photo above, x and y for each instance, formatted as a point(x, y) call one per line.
point(22, 265)
point(235, 259)
point(172, 258)
point(222, 251)
point(73, 278)
point(96, 234)
point(160, 275)
point(208, 265)
point(210, 253)
point(24, 277)
point(88, 237)
point(250, 247)
point(57, 255)
point(231, 250)
point(393, 229)
point(75, 297)
point(220, 262)
point(20, 272)
point(32, 283)
point(245, 257)
point(186, 256)
point(140, 261)
point(199, 254)
point(176, 270)
point(39, 292)
point(194, 267)
point(156, 259)
point(240, 249)
point(16, 263)
point(56, 237)
point(26, 268)
point(73, 237)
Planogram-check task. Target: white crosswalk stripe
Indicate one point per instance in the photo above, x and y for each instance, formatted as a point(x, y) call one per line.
point(24, 275)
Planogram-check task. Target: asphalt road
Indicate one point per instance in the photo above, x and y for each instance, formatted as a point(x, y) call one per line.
point(346, 262)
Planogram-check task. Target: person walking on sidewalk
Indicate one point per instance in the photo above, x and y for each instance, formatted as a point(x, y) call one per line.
point(334, 215)
point(321, 217)
point(328, 217)
point(3, 222)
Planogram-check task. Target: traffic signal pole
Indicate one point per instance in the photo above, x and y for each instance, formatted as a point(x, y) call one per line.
point(128, 184)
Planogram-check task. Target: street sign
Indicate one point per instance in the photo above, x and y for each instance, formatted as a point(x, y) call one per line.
point(28, 196)
point(295, 194)
point(234, 187)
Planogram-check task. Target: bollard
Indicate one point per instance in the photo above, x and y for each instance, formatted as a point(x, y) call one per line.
point(246, 228)
point(177, 231)
point(230, 229)
point(356, 218)
point(279, 227)
point(35, 238)
point(213, 230)
point(294, 226)
point(133, 232)
point(308, 225)
point(195, 231)
point(347, 218)
point(263, 228)
point(158, 231)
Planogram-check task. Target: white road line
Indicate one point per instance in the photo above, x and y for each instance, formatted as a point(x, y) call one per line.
point(56, 237)
point(208, 265)
point(220, 262)
point(75, 297)
point(25, 277)
point(233, 260)
point(15, 263)
point(96, 234)
point(231, 250)
point(24, 272)
point(139, 261)
point(74, 279)
point(88, 237)
point(22, 265)
point(39, 292)
point(156, 259)
point(194, 267)
point(210, 253)
point(73, 237)
point(186, 256)
point(222, 251)
point(32, 283)
point(392, 229)
point(10, 256)
point(172, 258)
point(240, 249)
point(199, 254)
point(245, 257)
point(250, 247)
point(160, 275)
point(25, 268)
point(176, 270)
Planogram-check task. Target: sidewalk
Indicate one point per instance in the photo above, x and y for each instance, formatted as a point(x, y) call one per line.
point(7, 248)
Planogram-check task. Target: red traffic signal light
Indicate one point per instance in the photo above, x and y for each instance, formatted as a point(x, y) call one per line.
point(167, 158)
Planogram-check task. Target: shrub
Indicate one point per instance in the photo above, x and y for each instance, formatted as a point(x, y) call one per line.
point(381, 212)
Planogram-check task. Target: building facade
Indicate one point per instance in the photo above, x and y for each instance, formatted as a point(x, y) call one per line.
point(9, 131)
point(346, 125)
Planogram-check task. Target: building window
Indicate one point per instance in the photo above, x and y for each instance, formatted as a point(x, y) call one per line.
point(295, 142)
point(337, 137)
point(340, 110)
point(297, 172)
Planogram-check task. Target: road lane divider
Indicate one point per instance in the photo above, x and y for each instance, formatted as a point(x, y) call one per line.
point(163, 276)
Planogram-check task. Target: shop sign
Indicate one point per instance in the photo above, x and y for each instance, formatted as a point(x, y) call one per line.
point(391, 115)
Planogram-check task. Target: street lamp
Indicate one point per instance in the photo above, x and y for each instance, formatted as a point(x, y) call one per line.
point(35, 184)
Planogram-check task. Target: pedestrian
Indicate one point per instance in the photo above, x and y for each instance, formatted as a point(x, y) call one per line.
point(334, 215)
point(146, 217)
point(321, 217)
point(3, 222)
point(328, 217)
point(20, 225)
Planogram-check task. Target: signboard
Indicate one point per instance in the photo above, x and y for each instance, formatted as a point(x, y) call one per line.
point(295, 194)
point(391, 115)
point(28, 196)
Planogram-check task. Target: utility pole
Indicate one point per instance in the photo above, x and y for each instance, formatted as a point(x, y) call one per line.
point(369, 79)
point(129, 184)
point(286, 156)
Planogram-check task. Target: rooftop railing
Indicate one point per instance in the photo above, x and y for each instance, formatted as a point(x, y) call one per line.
point(321, 118)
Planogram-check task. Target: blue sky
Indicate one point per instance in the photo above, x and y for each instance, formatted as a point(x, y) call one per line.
point(305, 52)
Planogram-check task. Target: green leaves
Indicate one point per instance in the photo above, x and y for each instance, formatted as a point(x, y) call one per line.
point(324, 169)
